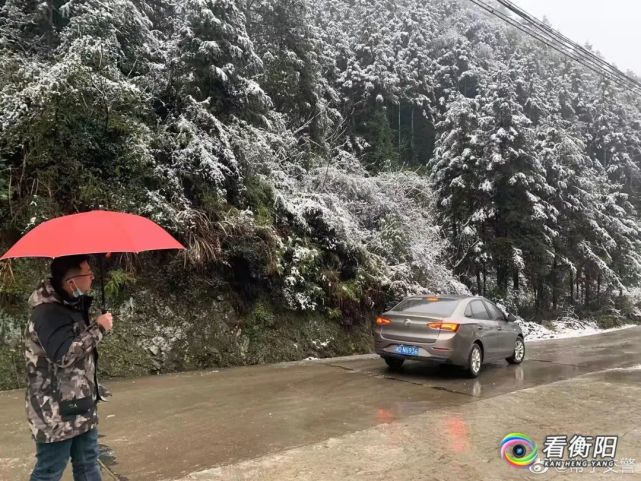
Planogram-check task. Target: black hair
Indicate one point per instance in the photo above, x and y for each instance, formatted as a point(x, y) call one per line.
point(62, 266)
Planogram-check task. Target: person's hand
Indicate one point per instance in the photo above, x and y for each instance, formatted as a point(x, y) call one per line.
point(106, 321)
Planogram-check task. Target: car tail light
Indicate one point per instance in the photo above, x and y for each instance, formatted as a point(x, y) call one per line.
point(444, 326)
point(382, 321)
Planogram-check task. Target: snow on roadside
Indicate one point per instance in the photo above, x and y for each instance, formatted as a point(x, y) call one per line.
point(561, 328)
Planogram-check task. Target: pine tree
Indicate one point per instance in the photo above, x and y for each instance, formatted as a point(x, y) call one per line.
point(461, 199)
point(214, 60)
point(517, 180)
point(292, 56)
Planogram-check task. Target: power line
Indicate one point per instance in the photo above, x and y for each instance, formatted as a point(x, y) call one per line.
point(574, 51)
point(546, 40)
point(569, 48)
point(552, 41)
point(570, 43)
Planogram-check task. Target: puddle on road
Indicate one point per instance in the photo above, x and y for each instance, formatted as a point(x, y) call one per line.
point(454, 429)
point(457, 434)
point(630, 375)
point(401, 409)
point(108, 459)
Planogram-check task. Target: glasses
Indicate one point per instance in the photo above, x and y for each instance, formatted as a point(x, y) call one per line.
point(79, 275)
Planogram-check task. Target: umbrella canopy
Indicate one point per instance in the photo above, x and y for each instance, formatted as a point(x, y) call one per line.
point(94, 232)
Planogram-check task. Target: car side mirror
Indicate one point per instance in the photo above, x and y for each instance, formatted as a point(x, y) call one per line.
point(511, 318)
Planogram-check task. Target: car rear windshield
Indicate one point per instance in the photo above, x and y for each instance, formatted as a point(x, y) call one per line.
point(441, 306)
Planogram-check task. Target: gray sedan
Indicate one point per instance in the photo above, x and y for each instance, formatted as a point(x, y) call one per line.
point(464, 331)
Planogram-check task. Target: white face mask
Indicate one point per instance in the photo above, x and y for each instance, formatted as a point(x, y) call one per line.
point(76, 293)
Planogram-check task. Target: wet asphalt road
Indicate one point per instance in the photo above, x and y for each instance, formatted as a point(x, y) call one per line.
point(166, 427)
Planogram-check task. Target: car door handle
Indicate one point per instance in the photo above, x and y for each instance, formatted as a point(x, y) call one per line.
point(499, 328)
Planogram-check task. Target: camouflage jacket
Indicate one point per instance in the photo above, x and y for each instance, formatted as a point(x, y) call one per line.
point(61, 356)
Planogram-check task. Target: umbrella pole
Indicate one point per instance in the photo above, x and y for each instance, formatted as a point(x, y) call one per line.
point(101, 260)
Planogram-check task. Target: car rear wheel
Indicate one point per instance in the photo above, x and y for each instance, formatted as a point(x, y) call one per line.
point(394, 363)
point(474, 361)
point(519, 352)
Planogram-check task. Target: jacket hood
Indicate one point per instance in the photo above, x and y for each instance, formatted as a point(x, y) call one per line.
point(44, 294)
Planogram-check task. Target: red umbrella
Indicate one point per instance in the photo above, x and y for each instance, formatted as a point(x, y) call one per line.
point(94, 232)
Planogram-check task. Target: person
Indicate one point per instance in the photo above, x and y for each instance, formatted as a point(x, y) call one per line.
point(61, 358)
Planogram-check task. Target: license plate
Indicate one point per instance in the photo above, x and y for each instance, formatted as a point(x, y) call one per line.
point(407, 350)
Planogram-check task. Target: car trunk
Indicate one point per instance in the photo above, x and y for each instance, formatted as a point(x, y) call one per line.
point(410, 327)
